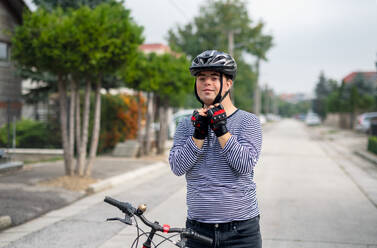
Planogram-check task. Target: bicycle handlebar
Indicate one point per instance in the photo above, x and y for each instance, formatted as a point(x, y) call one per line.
point(125, 207)
point(130, 211)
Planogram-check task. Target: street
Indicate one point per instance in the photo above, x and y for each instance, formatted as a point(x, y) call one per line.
point(309, 195)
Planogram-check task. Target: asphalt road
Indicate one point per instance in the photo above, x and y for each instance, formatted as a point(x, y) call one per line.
point(309, 196)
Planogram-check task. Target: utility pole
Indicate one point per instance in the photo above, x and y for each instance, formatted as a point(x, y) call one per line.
point(266, 100)
point(231, 52)
point(256, 90)
point(8, 123)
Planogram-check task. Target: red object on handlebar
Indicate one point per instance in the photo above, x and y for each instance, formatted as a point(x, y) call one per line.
point(166, 228)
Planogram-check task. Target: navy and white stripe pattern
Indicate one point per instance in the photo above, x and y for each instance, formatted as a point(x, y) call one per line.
point(220, 186)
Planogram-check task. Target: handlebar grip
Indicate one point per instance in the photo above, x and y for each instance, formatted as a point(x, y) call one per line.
point(204, 239)
point(123, 206)
point(111, 201)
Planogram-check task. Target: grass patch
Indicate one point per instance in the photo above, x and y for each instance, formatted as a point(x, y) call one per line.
point(73, 183)
point(53, 159)
point(332, 131)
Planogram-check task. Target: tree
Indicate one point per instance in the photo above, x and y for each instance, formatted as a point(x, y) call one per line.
point(173, 83)
point(357, 96)
point(77, 44)
point(288, 109)
point(225, 25)
point(165, 77)
point(324, 88)
point(65, 4)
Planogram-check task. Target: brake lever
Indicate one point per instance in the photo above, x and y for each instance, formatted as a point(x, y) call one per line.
point(127, 220)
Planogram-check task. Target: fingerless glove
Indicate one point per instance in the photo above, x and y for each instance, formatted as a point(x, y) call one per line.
point(217, 120)
point(201, 125)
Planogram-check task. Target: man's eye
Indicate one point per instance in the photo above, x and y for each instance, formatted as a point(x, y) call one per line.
point(215, 78)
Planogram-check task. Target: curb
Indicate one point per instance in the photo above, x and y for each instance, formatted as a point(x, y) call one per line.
point(367, 156)
point(5, 222)
point(113, 181)
point(11, 166)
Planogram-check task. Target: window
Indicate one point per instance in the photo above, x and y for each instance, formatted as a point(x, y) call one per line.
point(4, 53)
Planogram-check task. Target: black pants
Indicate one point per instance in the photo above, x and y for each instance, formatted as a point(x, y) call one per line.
point(236, 234)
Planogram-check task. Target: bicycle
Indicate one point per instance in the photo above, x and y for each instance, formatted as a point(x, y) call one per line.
point(130, 212)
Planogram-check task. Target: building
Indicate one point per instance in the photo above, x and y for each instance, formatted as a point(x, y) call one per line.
point(370, 77)
point(10, 85)
point(295, 97)
point(157, 48)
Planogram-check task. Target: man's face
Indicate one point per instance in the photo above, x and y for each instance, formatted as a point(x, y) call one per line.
point(208, 86)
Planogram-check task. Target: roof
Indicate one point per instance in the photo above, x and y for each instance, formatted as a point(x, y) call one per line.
point(155, 47)
point(16, 7)
point(371, 75)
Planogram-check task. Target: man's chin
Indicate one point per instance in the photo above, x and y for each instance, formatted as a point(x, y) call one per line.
point(208, 102)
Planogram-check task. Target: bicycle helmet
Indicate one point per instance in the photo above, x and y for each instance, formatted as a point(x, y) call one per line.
point(212, 60)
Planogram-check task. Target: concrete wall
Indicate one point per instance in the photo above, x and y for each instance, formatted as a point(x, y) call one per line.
point(340, 120)
point(32, 155)
point(10, 85)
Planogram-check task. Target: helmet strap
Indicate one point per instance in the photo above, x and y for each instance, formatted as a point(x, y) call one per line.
point(218, 98)
point(226, 93)
point(197, 96)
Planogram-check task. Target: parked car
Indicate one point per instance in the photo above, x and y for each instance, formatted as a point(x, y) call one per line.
point(262, 119)
point(177, 117)
point(363, 121)
point(312, 119)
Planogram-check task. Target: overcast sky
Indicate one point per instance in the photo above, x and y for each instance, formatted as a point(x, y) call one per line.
point(336, 36)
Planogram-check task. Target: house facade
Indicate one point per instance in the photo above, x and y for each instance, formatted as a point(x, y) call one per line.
point(10, 85)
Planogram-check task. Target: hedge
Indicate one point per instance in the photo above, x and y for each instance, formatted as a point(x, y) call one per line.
point(372, 144)
point(32, 134)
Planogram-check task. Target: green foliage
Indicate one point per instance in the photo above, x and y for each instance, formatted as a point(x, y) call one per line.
point(358, 95)
point(372, 144)
point(120, 122)
point(244, 86)
point(287, 109)
point(167, 75)
point(32, 134)
point(325, 89)
point(65, 4)
point(210, 30)
point(83, 42)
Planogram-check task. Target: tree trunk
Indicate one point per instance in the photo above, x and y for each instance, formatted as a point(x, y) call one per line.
point(63, 124)
point(256, 90)
point(96, 129)
point(148, 124)
point(139, 118)
point(71, 134)
point(78, 126)
point(162, 135)
point(84, 132)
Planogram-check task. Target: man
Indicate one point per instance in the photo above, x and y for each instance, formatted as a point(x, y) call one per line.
point(217, 151)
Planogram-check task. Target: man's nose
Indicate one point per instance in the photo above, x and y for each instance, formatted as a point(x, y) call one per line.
point(207, 81)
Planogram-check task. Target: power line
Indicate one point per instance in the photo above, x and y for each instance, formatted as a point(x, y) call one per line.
point(179, 9)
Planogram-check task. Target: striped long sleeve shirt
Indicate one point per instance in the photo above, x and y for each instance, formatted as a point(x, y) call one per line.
point(220, 186)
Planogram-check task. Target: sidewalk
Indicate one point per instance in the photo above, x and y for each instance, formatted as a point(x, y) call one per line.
point(354, 142)
point(25, 195)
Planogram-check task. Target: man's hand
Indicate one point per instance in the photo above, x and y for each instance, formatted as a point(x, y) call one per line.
point(217, 119)
point(200, 122)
